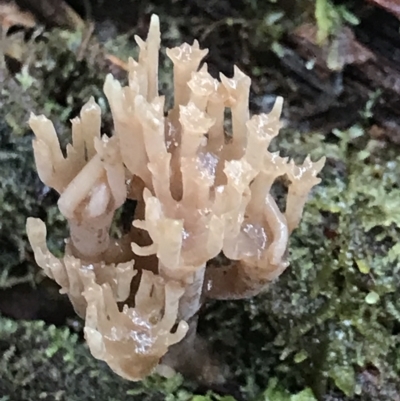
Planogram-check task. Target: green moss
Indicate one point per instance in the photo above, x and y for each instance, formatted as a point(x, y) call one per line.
point(49, 363)
point(276, 393)
point(330, 18)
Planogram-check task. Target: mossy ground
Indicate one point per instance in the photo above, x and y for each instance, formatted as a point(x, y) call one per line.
point(328, 329)
point(331, 321)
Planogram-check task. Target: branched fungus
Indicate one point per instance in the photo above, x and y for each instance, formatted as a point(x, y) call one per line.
point(199, 192)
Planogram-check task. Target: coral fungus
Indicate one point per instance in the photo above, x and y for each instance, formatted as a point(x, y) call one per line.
point(198, 190)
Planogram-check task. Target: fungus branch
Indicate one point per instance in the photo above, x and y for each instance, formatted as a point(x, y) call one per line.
point(199, 192)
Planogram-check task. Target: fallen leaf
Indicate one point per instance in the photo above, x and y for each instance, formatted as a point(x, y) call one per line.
point(11, 15)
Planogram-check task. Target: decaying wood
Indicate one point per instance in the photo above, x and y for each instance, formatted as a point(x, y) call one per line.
point(364, 65)
point(393, 6)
